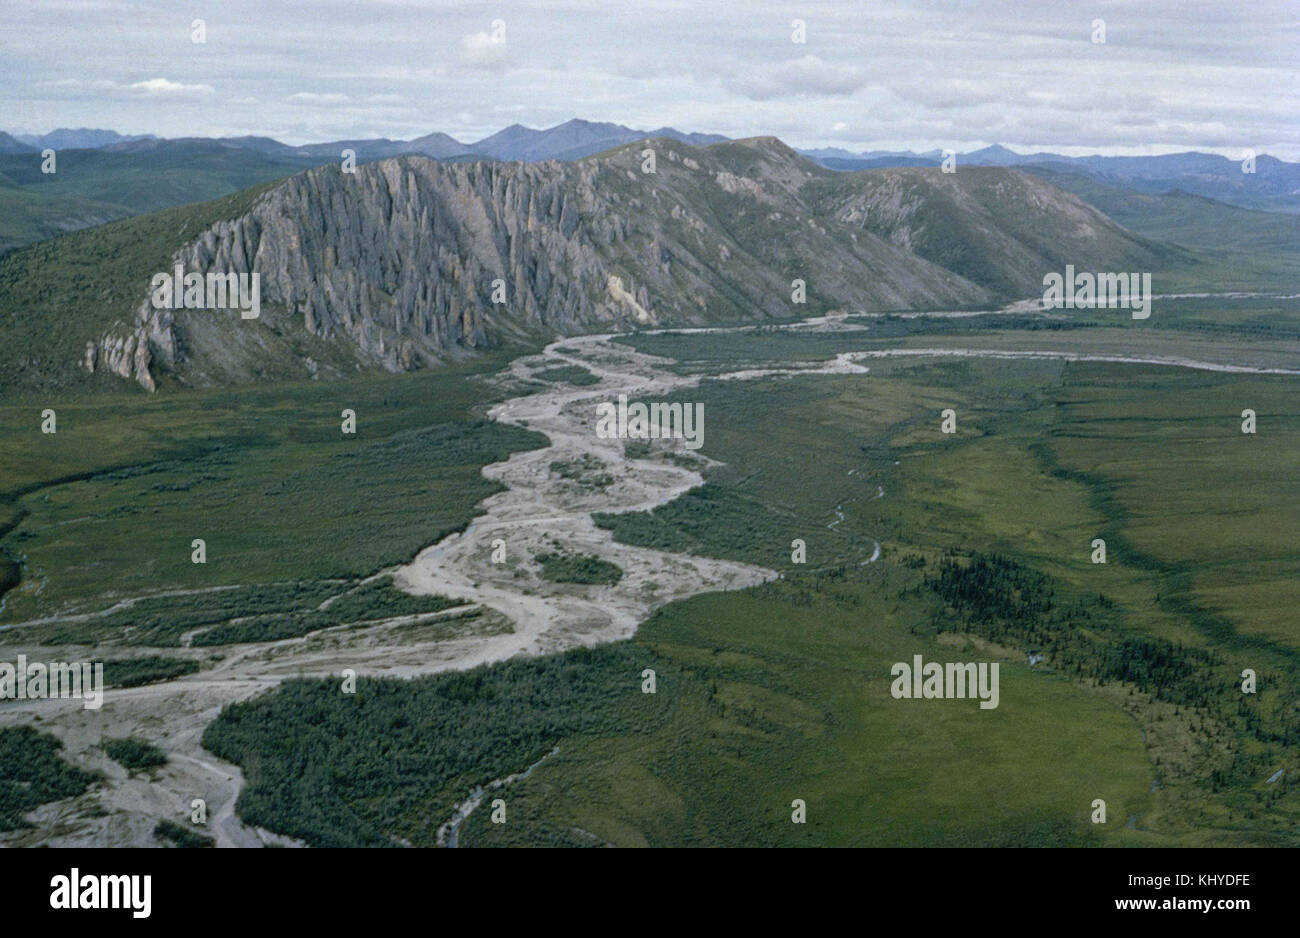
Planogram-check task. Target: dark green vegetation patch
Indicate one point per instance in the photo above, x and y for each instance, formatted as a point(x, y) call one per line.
point(32, 774)
point(563, 567)
point(292, 510)
point(133, 672)
point(178, 835)
point(570, 374)
point(369, 602)
point(391, 762)
point(134, 753)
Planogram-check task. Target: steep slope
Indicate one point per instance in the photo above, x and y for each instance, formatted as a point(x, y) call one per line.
point(1193, 221)
point(9, 144)
point(1000, 228)
point(1273, 185)
point(93, 186)
point(27, 216)
point(402, 259)
point(69, 138)
point(60, 294)
point(410, 262)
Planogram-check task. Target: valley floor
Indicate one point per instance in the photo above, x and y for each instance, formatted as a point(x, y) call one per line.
point(772, 676)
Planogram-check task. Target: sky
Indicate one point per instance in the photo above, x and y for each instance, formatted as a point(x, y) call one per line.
point(869, 74)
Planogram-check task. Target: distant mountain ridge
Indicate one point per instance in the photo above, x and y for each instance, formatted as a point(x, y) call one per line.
point(1273, 186)
point(104, 175)
point(570, 140)
point(80, 138)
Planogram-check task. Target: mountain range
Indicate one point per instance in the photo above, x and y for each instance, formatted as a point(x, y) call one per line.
point(1274, 185)
point(102, 175)
point(410, 262)
point(571, 140)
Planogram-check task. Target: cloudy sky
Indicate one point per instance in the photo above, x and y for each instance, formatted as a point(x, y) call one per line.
point(871, 74)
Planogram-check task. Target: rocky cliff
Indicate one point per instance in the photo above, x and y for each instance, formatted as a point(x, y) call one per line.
point(409, 262)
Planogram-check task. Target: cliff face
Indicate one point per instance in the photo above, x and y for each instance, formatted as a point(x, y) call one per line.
point(409, 262)
point(134, 351)
point(410, 259)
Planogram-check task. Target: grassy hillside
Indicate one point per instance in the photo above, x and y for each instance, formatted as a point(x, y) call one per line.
point(57, 295)
point(91, 187)
point(1239, 248)
point(27, 216)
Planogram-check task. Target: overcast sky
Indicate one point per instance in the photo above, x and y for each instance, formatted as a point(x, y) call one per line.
point(872, 74)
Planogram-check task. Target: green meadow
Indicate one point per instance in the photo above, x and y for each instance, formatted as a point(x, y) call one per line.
point(110, 504)
point(1048, 456)
point(775, 694)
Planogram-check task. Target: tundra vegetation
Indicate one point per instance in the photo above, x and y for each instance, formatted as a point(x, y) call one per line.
point(781, 691)
point(135, 754)
point(762, 696)
point(33, 773)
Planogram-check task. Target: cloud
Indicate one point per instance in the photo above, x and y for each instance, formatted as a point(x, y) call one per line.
point(163, 87)
point(481, 51)
point(314, 99)
point(908, 74)
point(805, 77)
point(153, 87)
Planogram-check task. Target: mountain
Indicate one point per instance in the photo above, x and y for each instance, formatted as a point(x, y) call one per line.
point(116, 175)
point(573, 140)
point(1001, 229)
point(995, 155)
point(439, 146)
point(396, 265)
point(10, 144)
point(1180, 217)
point(1273, 186)
point(93, 186)
point(81, 138)
point(839, 153)
point(878, 162)
point(508, 143)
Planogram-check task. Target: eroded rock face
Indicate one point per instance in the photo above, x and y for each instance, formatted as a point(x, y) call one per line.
point(409, 257)
point(130, 352)
point(409, 262)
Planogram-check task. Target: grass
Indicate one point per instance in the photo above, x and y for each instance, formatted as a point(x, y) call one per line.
point(111, 503)
point(781, 692)
point(1035, 472)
